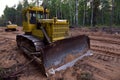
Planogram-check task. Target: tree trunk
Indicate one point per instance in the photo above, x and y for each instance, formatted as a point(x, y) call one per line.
point(112, 14)
point(70, 14)
point(76, 13)
point(84, 17)
point(92, 11)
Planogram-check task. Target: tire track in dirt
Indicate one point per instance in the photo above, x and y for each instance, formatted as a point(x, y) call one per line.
point(105, 62)
point(106, 50)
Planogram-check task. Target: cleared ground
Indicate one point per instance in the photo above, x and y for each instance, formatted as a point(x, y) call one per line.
point(104, 64)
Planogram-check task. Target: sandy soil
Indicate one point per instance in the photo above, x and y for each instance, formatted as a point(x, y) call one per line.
point(104, 64)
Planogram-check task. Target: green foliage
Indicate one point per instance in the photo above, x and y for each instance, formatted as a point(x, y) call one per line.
point(10, 14)
point(2, 20)
point(25, 3)
point(19, 14)
point(13, 14)
point(65, 9)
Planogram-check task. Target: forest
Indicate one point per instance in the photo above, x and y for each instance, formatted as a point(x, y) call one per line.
point(78, 12)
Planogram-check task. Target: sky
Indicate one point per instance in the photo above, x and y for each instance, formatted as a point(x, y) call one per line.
point(10, 3)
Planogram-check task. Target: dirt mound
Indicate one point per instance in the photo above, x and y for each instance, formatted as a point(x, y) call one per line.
point(104, 64)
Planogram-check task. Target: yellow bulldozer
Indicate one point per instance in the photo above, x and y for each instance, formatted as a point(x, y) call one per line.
point(10, 26)
point(48, 42)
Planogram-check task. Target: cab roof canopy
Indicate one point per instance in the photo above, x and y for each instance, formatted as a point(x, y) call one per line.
point(36, 8)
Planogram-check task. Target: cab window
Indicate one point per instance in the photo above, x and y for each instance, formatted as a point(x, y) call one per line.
point(40, 15)
point(32, 17)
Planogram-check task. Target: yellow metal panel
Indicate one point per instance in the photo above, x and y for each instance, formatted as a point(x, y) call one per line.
point(59, 38)
point(28, 27)
point(11, 26)
point(55, 31)
point(60, 31)
point(46, 21)
point(38, 33)
point(35, 8)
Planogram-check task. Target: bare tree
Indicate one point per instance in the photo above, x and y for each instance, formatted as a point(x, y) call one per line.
point(92, 11)
point(84, 16)
point(112, 14)
point(76, 12)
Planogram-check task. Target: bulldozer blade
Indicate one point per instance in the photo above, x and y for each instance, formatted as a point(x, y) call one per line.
point(64, 51)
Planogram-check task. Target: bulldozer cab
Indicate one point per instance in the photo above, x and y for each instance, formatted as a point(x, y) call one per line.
point(36, 15)
point(31, 15)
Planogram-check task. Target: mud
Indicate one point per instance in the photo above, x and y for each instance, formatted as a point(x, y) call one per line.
point(104, 64)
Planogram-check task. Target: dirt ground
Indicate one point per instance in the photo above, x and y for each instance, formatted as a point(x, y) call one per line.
point(104, 64)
